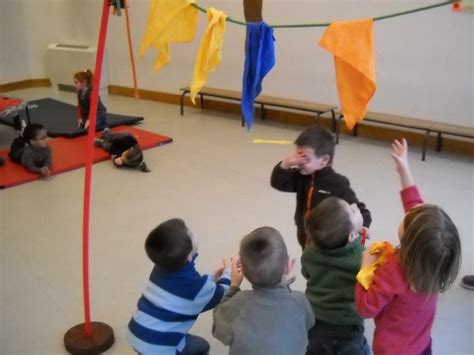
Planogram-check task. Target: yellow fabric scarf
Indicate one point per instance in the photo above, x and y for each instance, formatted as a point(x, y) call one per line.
point(210, 51)
point(168, 21)
point(366, 274)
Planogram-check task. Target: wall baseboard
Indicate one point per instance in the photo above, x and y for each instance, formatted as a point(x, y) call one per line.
point(379, 132)
point(383, 133)
point(25, 84)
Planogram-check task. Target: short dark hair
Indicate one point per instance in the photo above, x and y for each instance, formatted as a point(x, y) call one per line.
point(329, 224)
point(430, 249)
point(134, 157)
point(319, 139)
point(169, 245)
point(264, 257)
point(31, 131)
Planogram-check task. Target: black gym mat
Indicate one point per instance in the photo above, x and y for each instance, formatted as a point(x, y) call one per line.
point(60, 119)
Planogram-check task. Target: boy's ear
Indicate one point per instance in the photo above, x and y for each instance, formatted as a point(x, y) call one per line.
point(352, 237)
point(326, 159)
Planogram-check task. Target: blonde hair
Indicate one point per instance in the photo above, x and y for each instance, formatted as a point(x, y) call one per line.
point(430, 249)
point(85, 75)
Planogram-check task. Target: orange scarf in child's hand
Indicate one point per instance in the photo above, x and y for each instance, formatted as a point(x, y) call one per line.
point(366, 274)
point(352, 43)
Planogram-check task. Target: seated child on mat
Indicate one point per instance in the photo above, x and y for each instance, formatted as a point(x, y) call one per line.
point(83, 83)
point(124, 149)
point(270, 318)
point(31, 149)
point(175, 294)
point(403, 293)
point(308, 172)
point(330, 264)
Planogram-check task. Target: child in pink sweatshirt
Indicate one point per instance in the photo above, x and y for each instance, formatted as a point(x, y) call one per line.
point(403, 294)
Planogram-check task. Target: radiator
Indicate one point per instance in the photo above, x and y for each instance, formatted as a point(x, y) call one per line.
point(64, 60)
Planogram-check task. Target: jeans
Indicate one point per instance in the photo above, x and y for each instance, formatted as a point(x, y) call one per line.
point(329, 339)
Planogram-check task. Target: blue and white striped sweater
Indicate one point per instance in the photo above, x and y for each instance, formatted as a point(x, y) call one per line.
point(169, 307)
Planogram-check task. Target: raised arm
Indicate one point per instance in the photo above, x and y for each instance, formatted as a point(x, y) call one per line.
point(410, 195)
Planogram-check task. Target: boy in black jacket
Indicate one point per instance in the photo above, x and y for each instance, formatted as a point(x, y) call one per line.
point(308, 172)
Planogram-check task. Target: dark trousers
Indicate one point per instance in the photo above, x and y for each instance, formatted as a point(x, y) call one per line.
point(301, 234)
point(195, 346)
point(329, 339)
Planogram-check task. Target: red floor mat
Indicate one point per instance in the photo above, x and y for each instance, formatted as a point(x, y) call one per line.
point(69, 154)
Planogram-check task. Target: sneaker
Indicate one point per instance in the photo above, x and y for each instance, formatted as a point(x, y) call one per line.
point(468, 282)
point(98, 142)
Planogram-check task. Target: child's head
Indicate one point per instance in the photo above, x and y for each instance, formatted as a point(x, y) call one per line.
point(333, 223)
point(430, 249)
point(83, 79)
point(132, 157)
point(264, 257)
point(170, 245)
point(35, 135)
point(318, 145)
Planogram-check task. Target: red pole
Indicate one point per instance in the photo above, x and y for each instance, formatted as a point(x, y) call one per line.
point(89, 156)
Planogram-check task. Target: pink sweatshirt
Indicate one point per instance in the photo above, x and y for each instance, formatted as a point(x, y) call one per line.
point(403, 318)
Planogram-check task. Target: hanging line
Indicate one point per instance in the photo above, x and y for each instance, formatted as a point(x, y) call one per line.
point(304, 25)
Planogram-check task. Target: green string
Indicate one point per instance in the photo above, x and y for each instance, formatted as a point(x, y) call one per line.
point(303, 25)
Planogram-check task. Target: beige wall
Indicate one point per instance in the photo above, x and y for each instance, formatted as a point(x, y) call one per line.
point(424, 60)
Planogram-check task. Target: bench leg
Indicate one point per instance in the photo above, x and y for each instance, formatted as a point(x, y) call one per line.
point(333, 120)
point(202, 101)
point(425, 144)
point(262, 112)
point(27, 111)
point(338, 128)
point(181, 101)
point(355, 130)
point(439, 142)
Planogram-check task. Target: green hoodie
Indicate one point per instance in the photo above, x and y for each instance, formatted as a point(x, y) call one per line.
point(331, 280)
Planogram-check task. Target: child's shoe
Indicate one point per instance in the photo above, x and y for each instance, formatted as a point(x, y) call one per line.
point(468, 282)
point(98, 142)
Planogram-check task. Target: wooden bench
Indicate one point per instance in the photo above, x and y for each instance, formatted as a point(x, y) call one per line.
point(425, 126)
point(451, 130)
point(263, 100)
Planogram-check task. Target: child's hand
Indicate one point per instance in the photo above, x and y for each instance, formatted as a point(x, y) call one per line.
point(86, 126)
point(399, 154)
point(226, 263)
point(368, 258)
point(80, 122)
point(237, 275)
point(45, 172)
point(294, 159)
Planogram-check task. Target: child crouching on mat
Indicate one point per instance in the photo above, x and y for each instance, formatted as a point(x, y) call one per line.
point(31, 149)
point(124, 149)
point(175, 294)
point(402, 290)
point(83, 84)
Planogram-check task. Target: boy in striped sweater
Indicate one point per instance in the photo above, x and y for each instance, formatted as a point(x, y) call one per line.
point(175, 294)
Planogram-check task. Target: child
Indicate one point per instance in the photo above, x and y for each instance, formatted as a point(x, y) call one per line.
point(404, 290)
point(124, 149)
point(330, 264)
point(309, 173)
point(175, 294)
point(270, 319)
point(83, 84)
point(32, 150)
